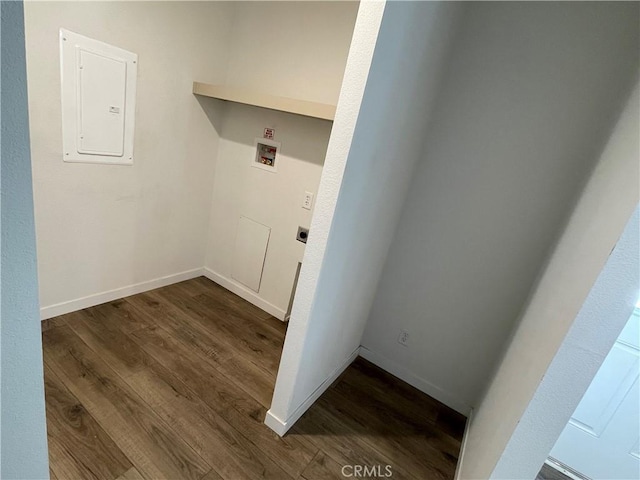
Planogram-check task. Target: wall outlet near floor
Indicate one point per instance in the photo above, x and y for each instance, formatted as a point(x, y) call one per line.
point(403, 338)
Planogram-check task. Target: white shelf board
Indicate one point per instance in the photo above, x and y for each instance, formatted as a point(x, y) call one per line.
point(283, 104)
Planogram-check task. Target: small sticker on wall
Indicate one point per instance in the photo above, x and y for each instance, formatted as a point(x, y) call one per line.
point(269, 132)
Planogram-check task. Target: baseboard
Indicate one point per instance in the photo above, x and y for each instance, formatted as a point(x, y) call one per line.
point(421, 384)
point(463, 446)
point(281, 426)
point(108, 296)
point(98, 298)
point(275, 424)
point(245, 293)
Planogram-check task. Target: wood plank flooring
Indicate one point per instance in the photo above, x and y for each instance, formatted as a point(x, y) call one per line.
point(547, 472)
point(175, 383)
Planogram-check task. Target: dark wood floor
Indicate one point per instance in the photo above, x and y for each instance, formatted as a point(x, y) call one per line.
point(549, 473)
point(175, 383)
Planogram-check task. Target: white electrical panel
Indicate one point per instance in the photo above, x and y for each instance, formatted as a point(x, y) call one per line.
point(98, 100)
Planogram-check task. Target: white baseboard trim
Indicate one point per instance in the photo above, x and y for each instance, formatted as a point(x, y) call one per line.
point(463, 446)
point(98, 298)
point(420, 383)
point(280, 427)
point(275, 424)
point(245, 293)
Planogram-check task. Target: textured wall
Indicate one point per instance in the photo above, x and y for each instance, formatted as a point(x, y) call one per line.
point(292, 49)
point(495, 438)
point(272, 199)
point(105, 227)
point(377, 162)
point(23, 437)
point(530, 94)
point(355, 77)
point(604, 314)
point(300, 58)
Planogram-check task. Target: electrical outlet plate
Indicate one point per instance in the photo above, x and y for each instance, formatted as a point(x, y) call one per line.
point(307, 202)
point(403, 338)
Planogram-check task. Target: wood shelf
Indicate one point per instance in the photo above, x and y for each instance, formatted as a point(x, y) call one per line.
point(283, 104)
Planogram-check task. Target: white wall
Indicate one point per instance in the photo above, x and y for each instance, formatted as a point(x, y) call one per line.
point(291, 49)
point(287, 49)
point(272, 199)
point(526, 406)
point(530, 94)
point(102, 228)
point(23, 437)
point(371, 165)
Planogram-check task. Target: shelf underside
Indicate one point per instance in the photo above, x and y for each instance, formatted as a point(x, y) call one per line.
point(322, 111)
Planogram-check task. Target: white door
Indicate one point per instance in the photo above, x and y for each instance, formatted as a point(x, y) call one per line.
point(601, 439)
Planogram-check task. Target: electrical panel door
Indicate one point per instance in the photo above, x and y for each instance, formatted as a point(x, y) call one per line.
point(98, 100)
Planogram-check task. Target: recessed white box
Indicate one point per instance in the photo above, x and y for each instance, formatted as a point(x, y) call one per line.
point(98, 100)
point(266, 156)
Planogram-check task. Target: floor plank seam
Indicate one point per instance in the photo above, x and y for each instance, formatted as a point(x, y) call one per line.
point(200, 366)
point(140, 398)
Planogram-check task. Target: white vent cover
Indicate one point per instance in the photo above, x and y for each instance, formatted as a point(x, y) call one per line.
point(252, 239)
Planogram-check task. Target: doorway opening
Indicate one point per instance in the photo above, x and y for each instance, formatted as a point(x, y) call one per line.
point(601, 438)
